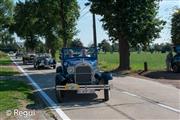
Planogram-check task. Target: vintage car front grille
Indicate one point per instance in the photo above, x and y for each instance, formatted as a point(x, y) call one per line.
point(83, 75)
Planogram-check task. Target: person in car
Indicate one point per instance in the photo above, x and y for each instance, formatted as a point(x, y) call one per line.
point(84, 53)
point(169, 59)
point(71, 53)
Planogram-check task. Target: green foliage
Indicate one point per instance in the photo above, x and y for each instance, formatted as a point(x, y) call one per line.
point(134, 19)
point(6, 11)
point(175, 30)
point(52, 20)
point(105, 46)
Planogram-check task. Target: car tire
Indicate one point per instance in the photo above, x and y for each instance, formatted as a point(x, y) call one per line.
point(175, 68)
point(59, 93)
point(106, 91)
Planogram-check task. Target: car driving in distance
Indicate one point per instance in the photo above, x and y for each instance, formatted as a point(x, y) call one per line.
point(44, 60)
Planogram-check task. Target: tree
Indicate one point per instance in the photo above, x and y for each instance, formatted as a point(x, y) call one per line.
point(76, 43)
point(6, 11)
point(130, 22)
point(24, 24)
point(114, 47)
point(52, 20)
point(105, 46)
point(175, 30)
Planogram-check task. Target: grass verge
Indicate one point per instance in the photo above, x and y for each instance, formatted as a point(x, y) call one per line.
point(14, 92)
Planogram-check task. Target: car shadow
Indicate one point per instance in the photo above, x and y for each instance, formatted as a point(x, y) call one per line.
point(70, 99)
point(163, 75)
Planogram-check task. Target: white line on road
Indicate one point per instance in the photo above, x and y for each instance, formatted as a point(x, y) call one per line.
point(168, 107)
point(129, 93)
point(52, 104)
point(159, 104)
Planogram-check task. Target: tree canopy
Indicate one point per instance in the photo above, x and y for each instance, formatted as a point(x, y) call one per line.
point(130, 22)
point(175, 30)
point(52, 20)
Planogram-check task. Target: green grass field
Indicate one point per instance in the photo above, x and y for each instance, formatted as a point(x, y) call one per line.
point(156, 61)
point(13, 93)
point(108, 61)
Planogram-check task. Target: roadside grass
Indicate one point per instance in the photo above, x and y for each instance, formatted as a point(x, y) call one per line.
point(156, 61)
point(8, 71)
point(13, 91)
point(4, 60)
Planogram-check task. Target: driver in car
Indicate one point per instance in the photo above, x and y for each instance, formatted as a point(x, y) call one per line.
point(84, 53)
point(71, 53)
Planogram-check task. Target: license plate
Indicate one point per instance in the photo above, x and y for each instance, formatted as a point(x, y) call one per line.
point(83, 91)
point(71, 87)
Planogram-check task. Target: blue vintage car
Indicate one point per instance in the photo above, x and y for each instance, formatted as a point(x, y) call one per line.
point(176, 59)
point(79, 72)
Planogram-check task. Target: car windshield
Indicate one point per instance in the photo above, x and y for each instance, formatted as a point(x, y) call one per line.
point(47, 55)
point(69, 53)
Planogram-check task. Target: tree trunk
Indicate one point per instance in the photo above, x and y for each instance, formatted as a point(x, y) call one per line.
point(124, 54)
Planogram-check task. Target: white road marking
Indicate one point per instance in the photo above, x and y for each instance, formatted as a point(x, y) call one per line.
point(168, 107)
point(159, 104)
point(128, 93)
point(52, 104)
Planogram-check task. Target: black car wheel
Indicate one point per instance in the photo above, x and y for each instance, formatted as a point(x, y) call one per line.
point(106, 91)
point(59, 93)
point(175, 68)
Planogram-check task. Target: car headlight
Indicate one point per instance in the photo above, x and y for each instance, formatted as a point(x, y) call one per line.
point(65, 64)
point(70, 70)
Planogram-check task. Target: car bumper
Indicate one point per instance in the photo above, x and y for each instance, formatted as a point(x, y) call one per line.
point(81, 87)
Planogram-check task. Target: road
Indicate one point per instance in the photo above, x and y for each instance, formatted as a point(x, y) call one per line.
point(130, 98)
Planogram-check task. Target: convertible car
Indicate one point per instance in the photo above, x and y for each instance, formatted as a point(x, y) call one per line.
point(79, 73)
point(176, 59)
point(44, 61)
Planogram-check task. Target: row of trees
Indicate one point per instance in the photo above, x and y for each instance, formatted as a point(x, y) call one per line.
point(53, 21)
point(129, 23)
point(7, 42)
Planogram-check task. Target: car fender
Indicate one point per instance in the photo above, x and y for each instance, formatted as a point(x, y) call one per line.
point(106, 76)
point(59, 79)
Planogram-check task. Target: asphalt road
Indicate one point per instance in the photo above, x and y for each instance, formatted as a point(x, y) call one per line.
point(131, 98)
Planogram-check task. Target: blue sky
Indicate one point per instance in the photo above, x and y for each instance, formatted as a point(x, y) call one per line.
point(84, 25)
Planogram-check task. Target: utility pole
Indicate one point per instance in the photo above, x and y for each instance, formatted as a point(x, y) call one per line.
point(94, 30)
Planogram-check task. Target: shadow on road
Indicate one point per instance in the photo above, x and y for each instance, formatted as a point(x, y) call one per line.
point(163, 75)
point(45, 78)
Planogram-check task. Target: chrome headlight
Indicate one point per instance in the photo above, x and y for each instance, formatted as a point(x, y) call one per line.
point(65, 64)
point(70, 70)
